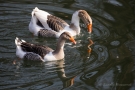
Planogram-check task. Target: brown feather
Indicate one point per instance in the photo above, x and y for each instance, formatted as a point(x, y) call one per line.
point(56, 23)
point(38, 49)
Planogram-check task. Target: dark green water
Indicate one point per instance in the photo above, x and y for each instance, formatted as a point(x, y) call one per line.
point(111, 65)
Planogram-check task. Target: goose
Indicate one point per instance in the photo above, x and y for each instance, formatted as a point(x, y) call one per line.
point(43, 24)
point(33, 52)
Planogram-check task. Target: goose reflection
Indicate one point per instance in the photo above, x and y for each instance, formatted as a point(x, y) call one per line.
point(53, 66)
point(67, 81)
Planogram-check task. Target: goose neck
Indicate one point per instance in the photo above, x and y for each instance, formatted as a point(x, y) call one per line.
point(75, 19)
point(59, 47)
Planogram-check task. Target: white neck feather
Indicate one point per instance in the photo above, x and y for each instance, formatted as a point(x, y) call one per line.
point(19, 52)
point(75, 19)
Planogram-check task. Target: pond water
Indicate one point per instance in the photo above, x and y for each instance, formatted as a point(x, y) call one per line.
point(110, 66)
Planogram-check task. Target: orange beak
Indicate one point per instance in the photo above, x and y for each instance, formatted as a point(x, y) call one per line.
point(89, 26)
point(72, 40)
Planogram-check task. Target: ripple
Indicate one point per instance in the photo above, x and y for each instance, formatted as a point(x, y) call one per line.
point(130, 46)
point(109, 17)
point(105, 81)
point(114, 2)
point(88, 75)
point(100, 31)
point(115, 43)
point(99, 58)
point(100, 49)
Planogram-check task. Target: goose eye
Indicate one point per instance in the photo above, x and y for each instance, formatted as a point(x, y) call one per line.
point(82, 13)
point(68, 36)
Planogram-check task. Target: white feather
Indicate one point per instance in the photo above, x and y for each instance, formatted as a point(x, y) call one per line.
point(17, 41)
point(42, 17)
point(67, 29)
point(49, 57)
point(19, 52)
point(33, 27)
point(75, 19)
point(23, 40)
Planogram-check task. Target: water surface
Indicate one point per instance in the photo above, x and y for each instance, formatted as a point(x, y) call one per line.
point(110, 66)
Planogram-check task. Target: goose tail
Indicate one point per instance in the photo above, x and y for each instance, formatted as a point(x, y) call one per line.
point(18, 41)
point(34, 10)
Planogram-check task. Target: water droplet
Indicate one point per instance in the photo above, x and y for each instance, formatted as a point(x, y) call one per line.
point(117, 57)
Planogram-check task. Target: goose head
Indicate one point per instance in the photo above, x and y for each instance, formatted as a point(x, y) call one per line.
point(59, 52)
point(85, 17)
point(67, 36)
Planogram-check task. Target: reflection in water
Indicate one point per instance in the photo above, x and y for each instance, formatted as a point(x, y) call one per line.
point(67, 81)
point(54, 66)
point(89, 47)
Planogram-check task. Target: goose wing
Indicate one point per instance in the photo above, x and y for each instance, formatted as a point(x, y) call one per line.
point(30, 56)
point(47, 33)
point(48, 21)
point(37, 49)
point(56, 23)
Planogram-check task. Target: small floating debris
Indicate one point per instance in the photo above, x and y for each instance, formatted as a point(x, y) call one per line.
point(14, 62)
point(115, 43)
point(117, 56)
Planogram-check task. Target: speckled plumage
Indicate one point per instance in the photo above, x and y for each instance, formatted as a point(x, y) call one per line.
point(47, 33)
point(43, 20)
point(43, 53)
point(33, 57)
point(56, 23)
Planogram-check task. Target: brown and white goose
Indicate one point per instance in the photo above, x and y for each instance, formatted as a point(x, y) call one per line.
point(34, 52)
point(46, 25)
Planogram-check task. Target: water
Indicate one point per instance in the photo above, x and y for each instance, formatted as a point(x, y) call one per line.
point(110, 66)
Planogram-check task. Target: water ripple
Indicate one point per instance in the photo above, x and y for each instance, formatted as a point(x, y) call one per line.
point(112, 53)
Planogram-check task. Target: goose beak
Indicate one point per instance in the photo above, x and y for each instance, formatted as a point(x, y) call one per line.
point(89, 26)
point(86, 19)
point(72, 40)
